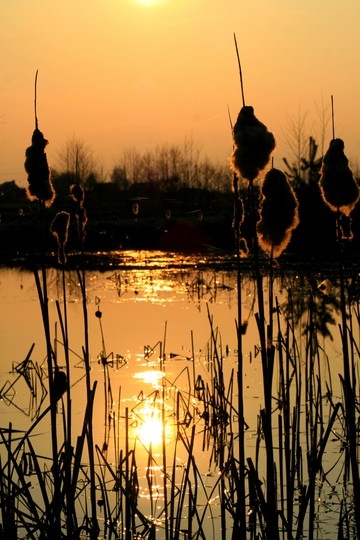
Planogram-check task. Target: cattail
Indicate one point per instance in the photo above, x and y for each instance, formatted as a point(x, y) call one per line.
point(337, 184)
point(36, 165)
point(78, 195)
point(278, 213)
point(60, 383)
point(135, 209)
point(253, 144)
point(60, 227)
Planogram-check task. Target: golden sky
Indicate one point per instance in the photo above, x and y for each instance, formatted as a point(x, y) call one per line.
point(119, 74)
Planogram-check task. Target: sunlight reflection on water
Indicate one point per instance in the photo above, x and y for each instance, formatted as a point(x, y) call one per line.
point(150, 321)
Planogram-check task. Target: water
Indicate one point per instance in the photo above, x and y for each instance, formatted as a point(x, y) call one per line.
point(151, 318)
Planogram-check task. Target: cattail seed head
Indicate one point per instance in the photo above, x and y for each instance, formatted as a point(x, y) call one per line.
point(253, 144)
point(338, 187)
point(60, 383)
point(37, 168)
point(77, 193)
point(278, 213)
point(60, 228)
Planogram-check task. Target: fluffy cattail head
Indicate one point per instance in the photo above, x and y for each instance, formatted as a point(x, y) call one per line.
point(278, 213)
point(77, 193)
point(38, 140)
point(60, 228)
point(37, 168)
point(60, 383)
point(337, 184)
point(253, 144)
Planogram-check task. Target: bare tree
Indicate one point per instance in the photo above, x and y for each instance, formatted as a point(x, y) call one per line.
point(297, 140)
point(214, 177)
point(189, 163)
point(304, 153)
point(169, 167)
point(78, 160)
point(323, 132)
point(130, 163)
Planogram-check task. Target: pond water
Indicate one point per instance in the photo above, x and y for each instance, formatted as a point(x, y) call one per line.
point(164, 353)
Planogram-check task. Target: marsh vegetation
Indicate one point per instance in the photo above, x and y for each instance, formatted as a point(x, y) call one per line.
point(193, 458)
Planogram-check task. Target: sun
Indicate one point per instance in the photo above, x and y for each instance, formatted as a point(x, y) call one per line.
point(150, 3)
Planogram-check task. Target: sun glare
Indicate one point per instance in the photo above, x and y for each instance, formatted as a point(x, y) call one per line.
point(152, 377)
point(150, 3)
point(151, 430)
point(146, 2)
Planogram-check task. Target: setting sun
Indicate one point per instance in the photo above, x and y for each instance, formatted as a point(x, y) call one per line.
point(147, 2)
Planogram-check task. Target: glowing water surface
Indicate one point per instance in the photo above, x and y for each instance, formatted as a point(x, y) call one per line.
point(154, 322)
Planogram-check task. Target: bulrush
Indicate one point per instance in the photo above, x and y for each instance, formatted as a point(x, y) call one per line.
point(253, 144)
point(278, 213)
point(60, 383)
point(78, 195)
point(37, 168)
point(60, 227)
point(337, 184)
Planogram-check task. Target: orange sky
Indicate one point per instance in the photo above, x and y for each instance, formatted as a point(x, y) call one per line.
point(128, 73)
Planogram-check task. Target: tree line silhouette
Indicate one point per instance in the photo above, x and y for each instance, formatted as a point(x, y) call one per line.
point(166, 199)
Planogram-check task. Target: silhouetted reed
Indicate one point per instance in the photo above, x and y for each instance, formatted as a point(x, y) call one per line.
point(39, 177)
point(58, 511)
point(253, 144)
point(341, 193)
point(299, 471)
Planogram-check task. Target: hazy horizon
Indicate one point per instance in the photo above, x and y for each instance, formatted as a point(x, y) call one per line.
point(118, 74)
